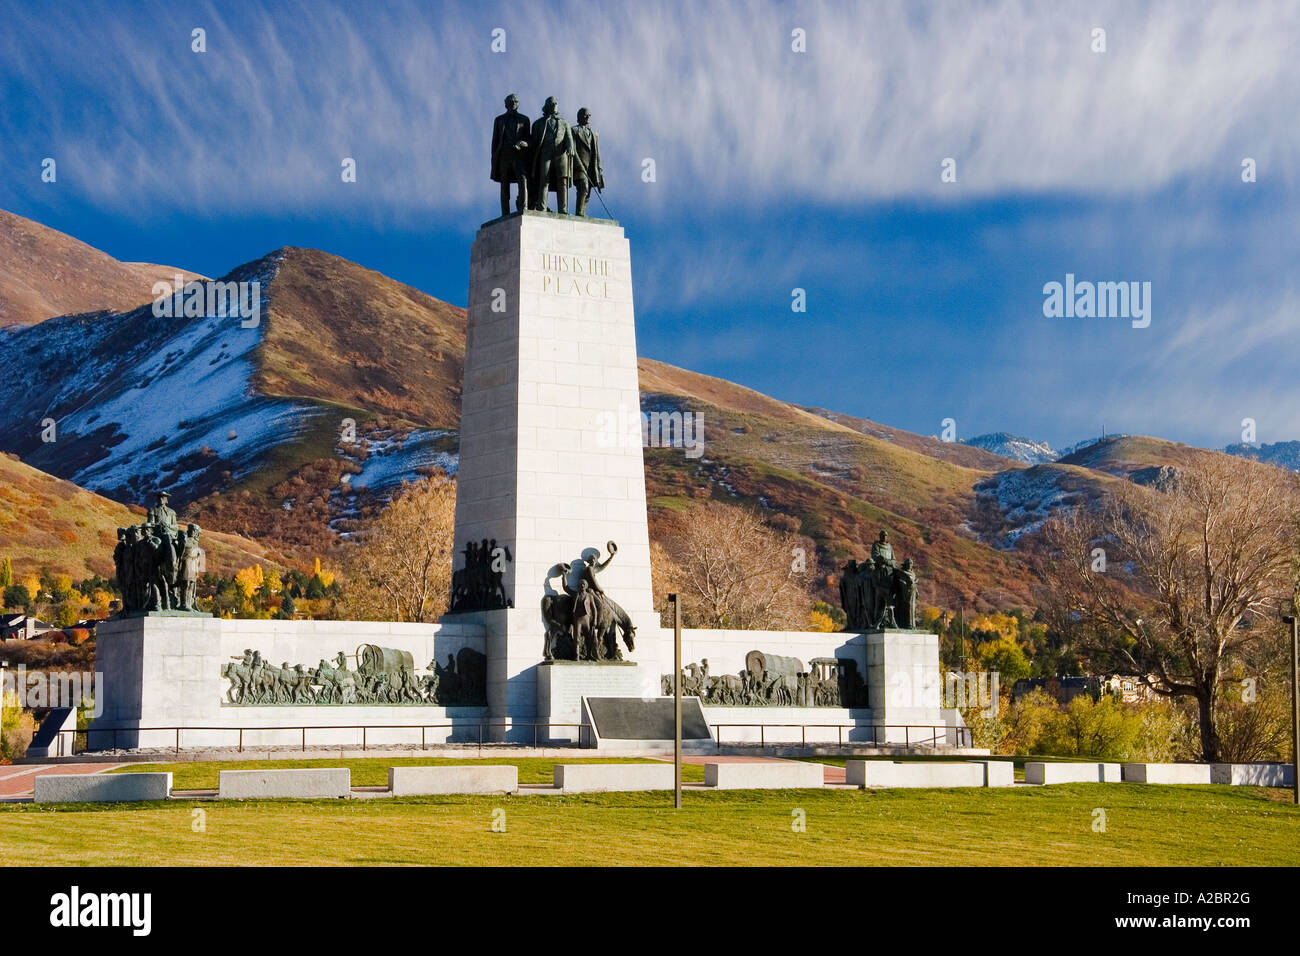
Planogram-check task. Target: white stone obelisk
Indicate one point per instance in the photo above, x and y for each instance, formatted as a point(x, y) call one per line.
point(550, 447)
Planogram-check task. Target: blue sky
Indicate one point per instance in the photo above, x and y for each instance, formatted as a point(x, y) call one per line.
point(774, 170)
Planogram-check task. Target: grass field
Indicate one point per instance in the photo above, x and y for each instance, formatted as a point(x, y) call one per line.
point(1145, 825)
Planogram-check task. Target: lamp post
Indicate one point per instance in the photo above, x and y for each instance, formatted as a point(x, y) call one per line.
point(1295, 705)
point(676, 601)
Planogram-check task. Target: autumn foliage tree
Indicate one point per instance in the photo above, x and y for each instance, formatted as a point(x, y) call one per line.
point(1175, 581)
point(399, 568)
point(733, 570)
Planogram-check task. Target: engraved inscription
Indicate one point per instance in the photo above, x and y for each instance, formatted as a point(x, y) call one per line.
point(583, 276)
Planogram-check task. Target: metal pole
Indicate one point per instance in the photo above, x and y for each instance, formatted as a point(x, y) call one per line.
point(676, 602)
point(1295, 707)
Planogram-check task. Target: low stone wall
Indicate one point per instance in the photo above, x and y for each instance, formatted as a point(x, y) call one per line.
point(1046, 772)
point(1254, 774)
point(102, 787)
point(304, 783)
point(487, 778)
point(999, 773)
point(794, 774)
point(1167, 773)
point(602, 777)
point(886, 773)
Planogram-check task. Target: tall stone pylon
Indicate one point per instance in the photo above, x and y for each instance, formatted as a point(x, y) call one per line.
point(551, 463)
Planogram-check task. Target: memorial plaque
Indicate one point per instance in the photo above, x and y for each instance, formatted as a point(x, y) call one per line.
point(631, 718)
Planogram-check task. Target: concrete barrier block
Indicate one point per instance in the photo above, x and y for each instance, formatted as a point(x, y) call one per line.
point(1073, 772)
point(489, 778)
point(886, 773)
point(999, 773)
point(602, 777)
point(296, 783)
point(1254, 774)
point(101, 787)
point(787, 775)
point(1167, 773)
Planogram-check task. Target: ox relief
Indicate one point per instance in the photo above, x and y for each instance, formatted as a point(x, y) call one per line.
point(379, 675)
point(769, 680)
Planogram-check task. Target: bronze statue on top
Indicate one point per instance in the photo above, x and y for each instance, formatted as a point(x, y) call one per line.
point(548, 156)
point(878, 594)
point(587, 172)
point(552, 143)
point(511, 148)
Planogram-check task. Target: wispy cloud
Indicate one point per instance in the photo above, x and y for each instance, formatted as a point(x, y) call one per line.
point(712, 92)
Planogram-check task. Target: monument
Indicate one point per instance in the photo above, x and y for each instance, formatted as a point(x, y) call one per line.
point(547, 627)
point(546, 462)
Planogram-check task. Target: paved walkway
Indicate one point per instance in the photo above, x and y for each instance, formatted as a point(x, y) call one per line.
point(16, 781)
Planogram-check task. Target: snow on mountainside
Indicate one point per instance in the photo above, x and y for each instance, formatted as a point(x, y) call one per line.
point(141, 401)
point(201, 404)
point(1284, 454)
point(1014, 447)
point(1014, 503)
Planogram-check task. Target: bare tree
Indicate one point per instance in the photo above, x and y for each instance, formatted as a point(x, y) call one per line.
point(400, 567)
point(1174, 580)
point(735, 571)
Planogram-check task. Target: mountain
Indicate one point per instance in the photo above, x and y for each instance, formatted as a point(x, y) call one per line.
point(833, 482)
point(48, 522)
point(286, 430)
point(1014, 447)
point(207, 407)
point(44, 273)
point(1284, 454)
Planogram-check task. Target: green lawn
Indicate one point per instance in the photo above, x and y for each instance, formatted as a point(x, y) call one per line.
point(373, 771)
point(1145, 825)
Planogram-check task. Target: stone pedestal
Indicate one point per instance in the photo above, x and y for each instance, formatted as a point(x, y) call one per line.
point(550, 456)
point(561, 685)
point(904, 684)
point(159, 671)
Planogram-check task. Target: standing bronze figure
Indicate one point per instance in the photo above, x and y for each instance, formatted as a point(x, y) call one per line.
point(878, 594)
point(553, 152)
point(587, 172)
point(510, 154)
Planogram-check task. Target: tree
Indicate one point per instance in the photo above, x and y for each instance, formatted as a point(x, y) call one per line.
point(17, 597)
point(1004, 655)
point(286, 608)
point(1191, 573)
point(6, 573)
point(733, 570)
point(400, 566)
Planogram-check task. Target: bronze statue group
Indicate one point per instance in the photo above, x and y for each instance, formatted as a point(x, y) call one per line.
point(546, 156)
point(584, 623)
point(877, 594)
point(479, 585)
point(157, 564)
